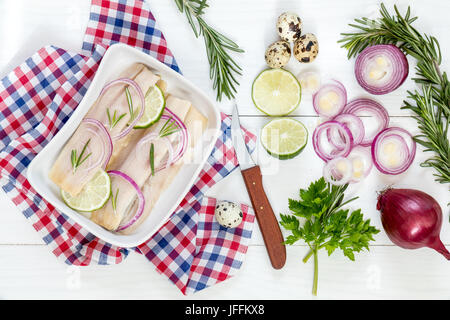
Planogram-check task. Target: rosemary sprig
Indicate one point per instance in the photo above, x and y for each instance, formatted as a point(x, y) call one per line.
point(130, 104)
point(114, 200)
point(431, 105)
point(78, 160)
point(223, 69)
point(114, 119)
point(152, 158)
point(168, 128)
point(434, 132)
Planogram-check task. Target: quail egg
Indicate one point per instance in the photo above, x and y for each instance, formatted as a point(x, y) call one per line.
point(289, 26)
point(228, 214)
point(278, 54)
point(306, 48)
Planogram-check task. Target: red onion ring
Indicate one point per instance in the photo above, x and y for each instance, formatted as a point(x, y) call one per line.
point(358, 106)
point(335, 152)
point(386, 56)
point(153, 136)
point(353, 123)
point(339, 90)
point(182, 147)
point(333, 173)
point(107, 147)
point(140, 209)
point(362, 164)
point(138, 89)
point(407, 151)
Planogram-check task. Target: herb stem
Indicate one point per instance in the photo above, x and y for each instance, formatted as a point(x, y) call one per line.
point(221, 65)
point(308, 255)
point(316, 272)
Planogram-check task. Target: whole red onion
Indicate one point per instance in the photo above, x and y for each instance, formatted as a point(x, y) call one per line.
point(412, 219)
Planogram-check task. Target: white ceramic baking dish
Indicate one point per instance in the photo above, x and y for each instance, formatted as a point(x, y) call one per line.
point(117, 58)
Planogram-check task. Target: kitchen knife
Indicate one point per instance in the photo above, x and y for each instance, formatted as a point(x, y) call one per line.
point(265, 216)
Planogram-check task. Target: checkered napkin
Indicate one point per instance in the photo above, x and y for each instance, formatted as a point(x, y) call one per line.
point(38, 97)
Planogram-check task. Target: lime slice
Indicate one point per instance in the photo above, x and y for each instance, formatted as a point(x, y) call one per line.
point(276, 92)
point(284, 138)
point(154, 107)
point(93, 196)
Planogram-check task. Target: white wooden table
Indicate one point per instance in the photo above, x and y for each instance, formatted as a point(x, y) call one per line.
point(29, 270)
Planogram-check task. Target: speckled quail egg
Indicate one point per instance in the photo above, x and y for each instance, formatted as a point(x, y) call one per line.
point(278, 54)
point(289, 26)
point(306, 48)
point(228, 214)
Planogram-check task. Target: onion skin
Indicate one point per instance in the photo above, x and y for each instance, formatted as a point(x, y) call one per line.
point(412, 219)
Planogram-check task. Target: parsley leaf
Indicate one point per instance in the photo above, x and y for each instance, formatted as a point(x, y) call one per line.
point(326, 225)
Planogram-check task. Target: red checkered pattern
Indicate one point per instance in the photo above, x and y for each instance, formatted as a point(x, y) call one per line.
point(193, 251)
point(130, 22)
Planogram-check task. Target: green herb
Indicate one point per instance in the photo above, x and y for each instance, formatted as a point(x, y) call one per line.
point(152, 158)
point(168, 128)
point(222, 67)
point(78, 160)
point(434, 132)
point(114, 119)
point(431, 105)
point(326, 225)
point(114, 200)
point(130, 105)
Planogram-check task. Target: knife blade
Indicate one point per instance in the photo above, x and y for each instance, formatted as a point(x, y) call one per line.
point(251, 173)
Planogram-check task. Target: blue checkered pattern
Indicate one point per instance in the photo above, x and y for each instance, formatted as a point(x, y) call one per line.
point(130, 22)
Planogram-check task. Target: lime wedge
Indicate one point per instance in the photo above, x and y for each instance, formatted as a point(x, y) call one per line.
point(154, 107)
point(276, 92)
point(284, 138)
point(93, 196)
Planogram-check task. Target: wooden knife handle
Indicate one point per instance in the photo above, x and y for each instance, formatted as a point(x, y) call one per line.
point(267, 221)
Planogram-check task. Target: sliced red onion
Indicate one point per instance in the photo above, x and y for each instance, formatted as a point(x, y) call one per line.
point(182, 147)
point(131, 218)
point(393, 150)
point(368, 107)
point(106, 143)
point(324, 148)
point(353, 123)
point(173, 155)
point(338, 171)
point(362, 164)
point(138, 89)
point(381, 69)
point(330, 99)
point(151, 137)
point(309, 81)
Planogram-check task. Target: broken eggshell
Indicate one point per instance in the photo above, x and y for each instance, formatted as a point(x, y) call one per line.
point(228, 214)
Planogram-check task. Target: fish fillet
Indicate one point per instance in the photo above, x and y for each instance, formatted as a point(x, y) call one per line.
point(155, 185)
point(136, 165)
point(61, 172)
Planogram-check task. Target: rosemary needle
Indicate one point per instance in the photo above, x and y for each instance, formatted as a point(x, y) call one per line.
point(77, 160)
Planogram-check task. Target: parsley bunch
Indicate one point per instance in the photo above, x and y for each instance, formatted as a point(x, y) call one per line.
point(326, 224)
